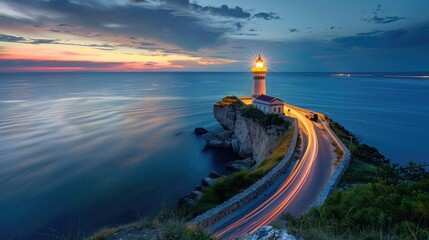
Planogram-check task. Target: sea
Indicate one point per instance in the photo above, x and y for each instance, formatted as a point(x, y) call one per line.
point(81, 151)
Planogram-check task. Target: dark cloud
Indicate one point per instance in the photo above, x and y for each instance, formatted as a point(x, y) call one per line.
point(9, 38)
point(160, 24)
point(370, 33)
point(43, 41)
point(148, 44)
point(292, 30)
point(239, 26)
point(246, 34)
point(223, 10)
point(398, 38)
point(266, 16)
point(54, 63)
point(150, 63)
point(382, 20)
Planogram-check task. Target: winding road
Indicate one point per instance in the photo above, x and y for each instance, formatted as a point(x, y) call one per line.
point(294, 192)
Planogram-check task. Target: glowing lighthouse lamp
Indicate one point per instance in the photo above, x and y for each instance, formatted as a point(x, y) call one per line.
point(259, 73)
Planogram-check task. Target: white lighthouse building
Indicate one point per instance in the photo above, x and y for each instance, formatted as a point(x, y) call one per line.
point(259, 73)
point(260, 100)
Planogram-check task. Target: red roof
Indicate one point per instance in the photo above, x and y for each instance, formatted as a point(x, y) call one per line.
point(269, 99)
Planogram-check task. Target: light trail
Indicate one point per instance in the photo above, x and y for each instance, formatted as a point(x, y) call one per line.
point(275, 205)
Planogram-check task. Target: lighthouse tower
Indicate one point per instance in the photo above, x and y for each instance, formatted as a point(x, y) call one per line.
point(259, 73)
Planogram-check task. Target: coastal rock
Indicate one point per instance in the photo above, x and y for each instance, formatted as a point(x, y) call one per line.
point(195, 194)
point(235, 146)
point(219, 144)
point(222, 136)
point(198, 188)
point(214, 174)
point(210, 136)
point(225, 135)
point(206, 181)
point(238, 165)
point(270, 233)
point(225, 116)
point(187, 201)
point(200, 131)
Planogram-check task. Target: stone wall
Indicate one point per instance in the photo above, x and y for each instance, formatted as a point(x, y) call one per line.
point(232, 204)
point(339, 171)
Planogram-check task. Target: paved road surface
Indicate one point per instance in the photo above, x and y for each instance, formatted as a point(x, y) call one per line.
point(294, 192)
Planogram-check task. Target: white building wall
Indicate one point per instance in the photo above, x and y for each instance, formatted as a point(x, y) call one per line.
point(267, 108)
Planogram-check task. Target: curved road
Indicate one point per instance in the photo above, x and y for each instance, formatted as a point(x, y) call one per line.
point(293, 192)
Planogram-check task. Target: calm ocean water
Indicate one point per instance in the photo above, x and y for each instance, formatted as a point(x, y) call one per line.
point(83, 150)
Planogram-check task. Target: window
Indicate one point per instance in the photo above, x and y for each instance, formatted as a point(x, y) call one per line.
point(274, 109)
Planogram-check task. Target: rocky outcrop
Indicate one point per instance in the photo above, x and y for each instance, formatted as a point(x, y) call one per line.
point(200, 131)
point(237, 165)
point(193, 196)
point(270, 233)
point(248, 138)
point(218, 140)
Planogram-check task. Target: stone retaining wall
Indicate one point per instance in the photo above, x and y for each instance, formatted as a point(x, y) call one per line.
point(237, 201)
point(339, 171)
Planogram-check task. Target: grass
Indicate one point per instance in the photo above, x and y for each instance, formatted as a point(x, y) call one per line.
point(339, 153)
point(167, 224)
point(234, 183)
point(369, 211)
point(229, 101)
point(360, 172)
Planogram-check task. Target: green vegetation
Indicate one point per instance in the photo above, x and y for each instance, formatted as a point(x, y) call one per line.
point(167, 224)
point(379, 200)
point(228, 186)
point(265, 120)
point(229, 101)
point(339, 154)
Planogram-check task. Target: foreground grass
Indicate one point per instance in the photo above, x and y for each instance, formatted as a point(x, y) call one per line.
point(167, 224)
point(234, 183)
point(369, 211)
point(378, 200)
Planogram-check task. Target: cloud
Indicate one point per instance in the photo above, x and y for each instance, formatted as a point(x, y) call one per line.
point(18, 39)
point(398, 38)
point(292, 30)
point(239, 26)
point(382, 20)
point(266, 16)
point(9, 38)
point(189, 32)
point(223, 10)
point(150, 63)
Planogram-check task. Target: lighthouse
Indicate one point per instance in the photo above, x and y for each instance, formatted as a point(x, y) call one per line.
point(267, 104)
point(259, 72)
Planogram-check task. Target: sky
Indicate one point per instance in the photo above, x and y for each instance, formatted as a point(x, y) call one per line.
point(209, 35)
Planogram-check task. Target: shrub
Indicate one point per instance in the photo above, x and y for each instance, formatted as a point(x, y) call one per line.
point(229, 101)
point(249, 111)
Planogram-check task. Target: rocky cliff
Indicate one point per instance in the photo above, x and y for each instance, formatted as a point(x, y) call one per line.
point(249, 138)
